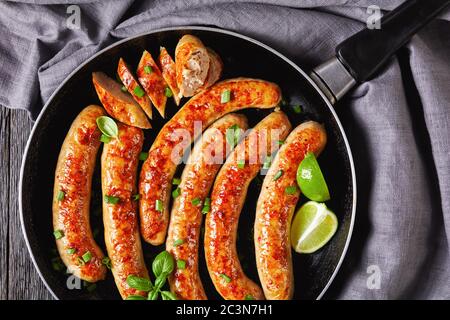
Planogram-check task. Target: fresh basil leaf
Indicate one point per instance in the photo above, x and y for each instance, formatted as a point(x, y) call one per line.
point(160, 281)
point(107, 126)
point(163, 264)
point(167, 295)
point(153, 294)
point(139, 283)
point(135, 297)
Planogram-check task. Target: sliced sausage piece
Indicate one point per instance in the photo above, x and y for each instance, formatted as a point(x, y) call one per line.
point(203, 109)
point(275, 209)
point(133, 87)
point(186, 216)
point(152, 81)
point(120, 105)
point(169, 73)
point(123, 242)
point(215, 69)
point(192, 65)
point(227, 199)
point(72, 197)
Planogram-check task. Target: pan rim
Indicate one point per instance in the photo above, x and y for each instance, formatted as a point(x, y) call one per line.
point(25, 231)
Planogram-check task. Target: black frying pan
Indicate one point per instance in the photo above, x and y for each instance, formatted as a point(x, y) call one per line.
point(356, 61)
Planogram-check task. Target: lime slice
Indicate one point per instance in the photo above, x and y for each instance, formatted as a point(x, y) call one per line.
point(310, 179)
point(313, 226)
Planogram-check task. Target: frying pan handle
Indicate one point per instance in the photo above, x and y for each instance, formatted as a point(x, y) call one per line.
point(359, 57)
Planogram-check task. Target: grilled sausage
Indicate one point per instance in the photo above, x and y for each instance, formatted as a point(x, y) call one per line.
point(152, 81)
point(72, 196)
point(119, 168)
point(133, 87)
point(159, 168)
point(120, 105)
point(275, 209)
point(192, 65)
point(227, 199)
point(168, 71)
point(186, 217)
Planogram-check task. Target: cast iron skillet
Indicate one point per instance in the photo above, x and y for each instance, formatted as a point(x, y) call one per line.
point(242, 57)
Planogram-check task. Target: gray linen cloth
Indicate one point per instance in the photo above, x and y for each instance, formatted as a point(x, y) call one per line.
point(398, 123)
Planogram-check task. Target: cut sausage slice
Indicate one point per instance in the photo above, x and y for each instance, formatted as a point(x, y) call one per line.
point(169, 73)
point(215, 69)
point(152, 81)
point(186, 216)
point(133, 87)
point(72, 197)
point(227, 199)
point(275, 209)
point(203, 109)
point(120, 105)
point(123, 242)
point(192, 65)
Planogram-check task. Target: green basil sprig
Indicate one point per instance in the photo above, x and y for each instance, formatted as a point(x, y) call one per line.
point(107, 126)
point(162, 266)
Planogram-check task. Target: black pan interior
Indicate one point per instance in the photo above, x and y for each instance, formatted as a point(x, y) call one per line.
point(241, 58)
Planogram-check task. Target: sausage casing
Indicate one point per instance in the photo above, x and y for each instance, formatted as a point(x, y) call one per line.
point(119, 168)
point(204, 108)
point(227, 199)
point(72, 196)
point(186, 216)
point(275, 208)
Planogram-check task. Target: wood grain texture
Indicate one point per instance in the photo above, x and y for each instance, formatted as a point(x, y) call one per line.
point(21, 280)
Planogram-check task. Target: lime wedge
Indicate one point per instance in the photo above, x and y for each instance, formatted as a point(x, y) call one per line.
point(313, 226)
point(310, 179)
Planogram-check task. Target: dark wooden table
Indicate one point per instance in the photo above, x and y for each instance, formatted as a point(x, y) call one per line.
point(18, 277)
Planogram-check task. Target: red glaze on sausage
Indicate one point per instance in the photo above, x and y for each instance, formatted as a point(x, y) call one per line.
point(119, 168)
point(73, 179)
point(275, 209)
point(186, 218)
point(206, 107)
point(227, 199)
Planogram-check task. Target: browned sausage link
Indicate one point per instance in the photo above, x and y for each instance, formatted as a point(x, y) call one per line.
point(227, 199)
point(119, 168)
point(186, 217)
point(206, 107)
point(72, 196)
point(275, 209)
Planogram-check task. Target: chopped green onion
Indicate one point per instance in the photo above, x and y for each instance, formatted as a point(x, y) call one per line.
point(111, 199)
point(176, 181)
point(105, 139)
point(71, 250)
point(277, 175)
point(143, 156)
point(297, 108)
point(178, 242)
point(60, 195)
point(196, 201)
point(206, 209)
point(291, 190)
point(226, 96)
point(124, 89)
point(148, 69)
point(138, 92)
point(280, 142)
point(249, 297)
point(87, 256)
point(225, 277)
point(167, 92)
point(181, 264)
point(58, 234)
point(107, 262)
point(241, 164)
point(176, 193)
point(207, 201)
point(81, 262)
point(159, 205)
point(232, 135)
point(267, 162)
point(136, 197)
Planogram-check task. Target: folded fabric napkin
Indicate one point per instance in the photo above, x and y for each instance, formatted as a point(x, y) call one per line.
point(398, 123)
